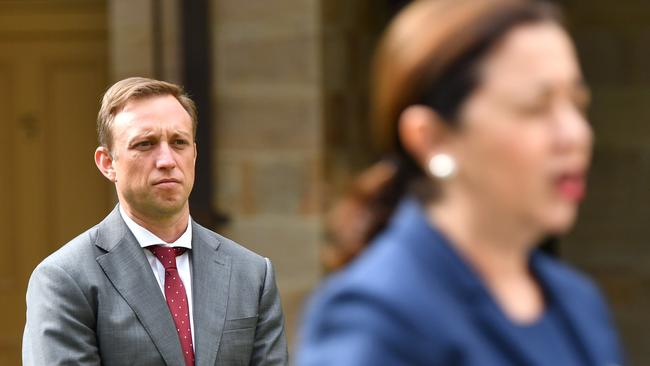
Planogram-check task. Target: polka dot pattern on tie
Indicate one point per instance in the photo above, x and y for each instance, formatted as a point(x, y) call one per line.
point(176, 298)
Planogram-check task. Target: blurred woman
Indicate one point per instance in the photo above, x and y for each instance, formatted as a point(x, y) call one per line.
point(480, 108)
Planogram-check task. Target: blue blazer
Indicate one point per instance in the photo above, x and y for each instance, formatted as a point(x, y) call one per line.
point(412, 300)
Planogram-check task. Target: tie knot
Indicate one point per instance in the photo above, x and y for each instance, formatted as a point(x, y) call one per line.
point(166, 255)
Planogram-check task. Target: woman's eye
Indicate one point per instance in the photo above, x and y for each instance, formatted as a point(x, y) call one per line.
point(533, 108)
point(581, 100)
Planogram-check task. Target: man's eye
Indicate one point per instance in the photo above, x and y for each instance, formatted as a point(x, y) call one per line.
point(181, 142)
point(143, 145)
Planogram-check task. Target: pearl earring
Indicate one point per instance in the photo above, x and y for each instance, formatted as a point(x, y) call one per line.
point(442, 166)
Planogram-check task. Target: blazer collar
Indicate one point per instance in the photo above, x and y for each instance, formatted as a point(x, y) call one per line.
point(560, 291)
point(211, 269)
point(434, 251)
point(126, 267)
point(447, 267)
point(146, 238)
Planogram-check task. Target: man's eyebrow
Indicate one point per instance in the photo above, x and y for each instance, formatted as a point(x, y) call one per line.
point(140, 134)
point(181, 133)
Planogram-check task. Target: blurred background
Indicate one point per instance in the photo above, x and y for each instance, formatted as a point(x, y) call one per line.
point(281, 87)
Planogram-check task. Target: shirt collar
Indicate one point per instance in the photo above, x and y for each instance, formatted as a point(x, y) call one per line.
point(146, 238)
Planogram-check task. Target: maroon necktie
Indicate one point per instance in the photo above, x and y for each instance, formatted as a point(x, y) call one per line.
point(176, 298)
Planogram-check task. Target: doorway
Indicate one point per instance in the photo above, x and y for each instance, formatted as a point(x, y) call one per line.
point(53, 70)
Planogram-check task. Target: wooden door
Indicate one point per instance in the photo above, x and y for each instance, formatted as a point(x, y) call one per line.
point(53, 70)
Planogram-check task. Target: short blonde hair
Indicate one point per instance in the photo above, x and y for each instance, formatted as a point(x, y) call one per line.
point(118, 95)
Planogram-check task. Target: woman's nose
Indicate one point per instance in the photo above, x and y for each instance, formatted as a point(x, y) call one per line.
point(573, 129)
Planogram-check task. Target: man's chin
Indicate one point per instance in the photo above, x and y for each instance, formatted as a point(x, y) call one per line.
point(168, 208)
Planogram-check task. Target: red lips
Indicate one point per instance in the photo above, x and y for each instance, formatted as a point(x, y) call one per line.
point(571, 187)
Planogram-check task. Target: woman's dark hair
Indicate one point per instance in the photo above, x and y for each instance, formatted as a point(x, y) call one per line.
point(430, 55)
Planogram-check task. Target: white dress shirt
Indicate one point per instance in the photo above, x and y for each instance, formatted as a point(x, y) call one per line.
point(146, 238)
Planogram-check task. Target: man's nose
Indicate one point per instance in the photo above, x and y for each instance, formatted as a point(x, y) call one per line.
point(165, 157)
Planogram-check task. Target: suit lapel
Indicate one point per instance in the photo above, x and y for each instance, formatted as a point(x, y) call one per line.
point(576, 316)
point(128, 270)
point(498, 328)
point(210, 286)
point(463, 281)
point(435, 253)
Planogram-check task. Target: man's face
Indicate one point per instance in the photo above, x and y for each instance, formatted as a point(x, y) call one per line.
point(153, 157)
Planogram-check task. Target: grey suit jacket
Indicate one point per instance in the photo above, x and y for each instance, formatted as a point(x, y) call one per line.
point(96, 301)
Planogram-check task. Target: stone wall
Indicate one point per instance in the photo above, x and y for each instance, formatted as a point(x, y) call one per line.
point(268, 135)
point(291, 120)
point(612, 239)
point(350, 32)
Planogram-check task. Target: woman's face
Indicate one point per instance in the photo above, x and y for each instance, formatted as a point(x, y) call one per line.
point(524, 145)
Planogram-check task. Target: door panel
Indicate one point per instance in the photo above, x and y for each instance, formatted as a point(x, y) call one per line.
point(53, 70)
point(74, 91)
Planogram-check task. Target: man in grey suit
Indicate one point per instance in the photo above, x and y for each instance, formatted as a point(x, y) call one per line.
point(147, 285)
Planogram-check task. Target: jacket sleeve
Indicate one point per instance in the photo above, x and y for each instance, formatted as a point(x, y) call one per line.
point(60, 321)
point(270, 347)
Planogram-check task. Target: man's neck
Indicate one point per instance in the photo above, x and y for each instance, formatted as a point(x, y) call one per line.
point(168, 228)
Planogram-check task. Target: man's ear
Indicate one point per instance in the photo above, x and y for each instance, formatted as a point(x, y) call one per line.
point(104, 162)
point(423, 133)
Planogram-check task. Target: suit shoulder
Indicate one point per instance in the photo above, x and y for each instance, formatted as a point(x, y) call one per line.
point(71, 263)
point(71, 253)
point(236, 251)
point(385, 283)
point(351, 310)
